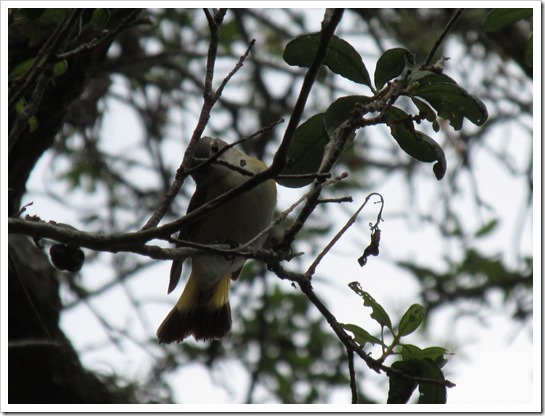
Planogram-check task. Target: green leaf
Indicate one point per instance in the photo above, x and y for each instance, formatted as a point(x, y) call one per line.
point(411, 320)
point(340, 110)
point(341, 57)
point(20, 106)
point(412, 352)
point(487, 228)
point(32, 120)
point(306, 151)
point(60, 68)
point(431, 393)
point(391, 64)
point(100, 19)
point(409, 352)
point(51, 16)
point(361, 335)
point(32, 123)
point(415, 143)
point(437, 354)
point(499, 18)
point(421, 78)
point(401, 388)
point(20, 69)
point(453, 103)
point(425, 110)
point(378, 313)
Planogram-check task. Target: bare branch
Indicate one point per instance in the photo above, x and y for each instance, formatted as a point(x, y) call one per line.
point(311, 270)
point(210, 100)
point(440, 39)
point(352, 373)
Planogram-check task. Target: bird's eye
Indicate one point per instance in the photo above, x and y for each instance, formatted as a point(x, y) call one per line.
point(215, 147)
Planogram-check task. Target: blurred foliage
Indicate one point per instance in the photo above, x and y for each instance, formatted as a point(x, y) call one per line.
point(156, 69)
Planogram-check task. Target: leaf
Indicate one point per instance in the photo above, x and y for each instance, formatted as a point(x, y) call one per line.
point(378, 313)
point(373, 249)
point(437, 354)
point(340, 110)
point(32, 123)
point(20, 106)
point(415, 143)
point(425, 110)
point(476, 263)
point(51, 16)
point(306, 151)
point(411, 320)
point(99, 19)
point(431, 393)
point(410, 352)
point(341, 57)
point(421, 78)
point(487, 228)
point(391, 64)
point(20, 69)
point(453, 103)
point(60, 68)
point(499, 18)
point(361, 335)
point(403, 131)
point(401, 388)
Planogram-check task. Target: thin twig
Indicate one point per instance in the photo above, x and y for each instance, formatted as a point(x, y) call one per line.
point(282, 217)
point(30, 108)
point(103, 37)
point(312, 269)
point(440, 39)
point(214, 22)
point(210, 100)
point(214, 158)
point(335, 200)
point(33, 343)
point(280, 156)
point(238, 65)
point(328, 29)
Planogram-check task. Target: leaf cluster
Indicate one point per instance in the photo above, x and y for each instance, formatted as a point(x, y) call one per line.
point(416, 366)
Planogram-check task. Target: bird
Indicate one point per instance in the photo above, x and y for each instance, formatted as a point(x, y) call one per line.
point(203, 310)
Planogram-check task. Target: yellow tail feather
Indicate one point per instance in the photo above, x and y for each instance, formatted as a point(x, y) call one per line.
point(205, 314)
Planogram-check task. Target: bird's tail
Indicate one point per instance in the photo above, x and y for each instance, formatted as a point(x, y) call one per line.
point(205, 314)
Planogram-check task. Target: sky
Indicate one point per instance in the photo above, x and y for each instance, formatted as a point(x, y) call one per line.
point(484, 357)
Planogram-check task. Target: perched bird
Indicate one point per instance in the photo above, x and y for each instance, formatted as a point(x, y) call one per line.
point(203, 308)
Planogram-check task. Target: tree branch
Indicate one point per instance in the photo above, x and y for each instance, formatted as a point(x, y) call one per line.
point(352, 373)
point(329, 25)
point(440, 39)
point(210, 99)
